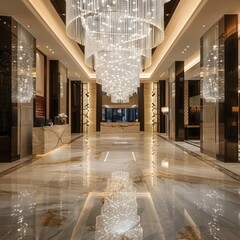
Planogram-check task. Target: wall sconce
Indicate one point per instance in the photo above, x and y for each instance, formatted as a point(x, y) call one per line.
point(164, 110)
point(165, 163)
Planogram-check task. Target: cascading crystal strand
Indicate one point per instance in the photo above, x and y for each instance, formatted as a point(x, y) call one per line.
point(119, 219)
point(119, 76)
point(129, 27)
point(102, 24)
point(78, 13)
point(112, 32)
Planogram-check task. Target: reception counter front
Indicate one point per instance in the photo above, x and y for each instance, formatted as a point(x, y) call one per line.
point(46, 139)
point(113, 127)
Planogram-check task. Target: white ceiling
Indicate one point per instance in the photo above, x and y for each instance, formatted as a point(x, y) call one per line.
point(183, 32)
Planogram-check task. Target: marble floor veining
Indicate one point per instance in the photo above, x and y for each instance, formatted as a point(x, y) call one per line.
point(59, 195)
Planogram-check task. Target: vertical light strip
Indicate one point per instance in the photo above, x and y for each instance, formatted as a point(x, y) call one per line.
point(105, 159)
point(134, 158)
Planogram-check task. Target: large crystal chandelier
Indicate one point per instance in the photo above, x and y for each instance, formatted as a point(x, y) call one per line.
point(119, 219)
point(118, 36)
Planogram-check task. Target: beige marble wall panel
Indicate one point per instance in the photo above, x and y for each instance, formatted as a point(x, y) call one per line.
point(155, 107)
point(85, 102)
point(186, 104)
point(148, 114)
point(122, 127)
point(92, 87)
point(46, 139)
point(209, 126)
point(38, 140)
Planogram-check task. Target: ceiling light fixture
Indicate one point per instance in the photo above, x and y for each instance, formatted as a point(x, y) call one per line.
point(118, 36)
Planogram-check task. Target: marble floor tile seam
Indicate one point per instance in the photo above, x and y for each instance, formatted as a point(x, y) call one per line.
point(76, 138)
point(201, 156)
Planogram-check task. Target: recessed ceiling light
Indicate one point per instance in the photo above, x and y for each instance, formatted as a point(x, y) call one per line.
point(203, 25)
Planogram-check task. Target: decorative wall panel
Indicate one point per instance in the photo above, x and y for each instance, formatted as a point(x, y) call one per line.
point(141, 100)
point(148, 107)
point(161, 103)
point(92, 113)
point(76, 107)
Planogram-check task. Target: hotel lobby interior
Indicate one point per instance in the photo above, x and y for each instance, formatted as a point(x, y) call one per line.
point(127, 133)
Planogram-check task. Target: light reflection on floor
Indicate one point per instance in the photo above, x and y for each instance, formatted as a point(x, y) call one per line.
point(58, 196)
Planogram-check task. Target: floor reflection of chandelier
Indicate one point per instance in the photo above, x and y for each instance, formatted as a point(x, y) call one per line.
point(128, 29)
point(119, 219)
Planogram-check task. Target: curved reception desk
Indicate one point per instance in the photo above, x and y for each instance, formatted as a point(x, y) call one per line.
point(46, 139)
point(124, 127)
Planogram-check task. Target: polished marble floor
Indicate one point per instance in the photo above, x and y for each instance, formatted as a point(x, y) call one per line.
point(180, 194)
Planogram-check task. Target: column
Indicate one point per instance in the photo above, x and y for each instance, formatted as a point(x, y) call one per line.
point(99, 107)
point(161, 103)
point(76, 107)
point(141, 106)
point(17, 88)
point(92, 116)
point(148, 113)
point(58, 89)
point(176, 101)
point(219, 87)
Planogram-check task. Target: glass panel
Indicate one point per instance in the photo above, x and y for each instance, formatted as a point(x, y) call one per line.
point(119, 114)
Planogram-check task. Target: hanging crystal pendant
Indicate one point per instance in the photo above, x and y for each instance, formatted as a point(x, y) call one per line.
point(118, 36)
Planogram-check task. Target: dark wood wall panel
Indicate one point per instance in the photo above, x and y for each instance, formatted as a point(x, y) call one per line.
point(76, 107)
point(5, 89)
point(229, 37)
point(179, 101)
point(40, 106)
point(162, 103)
point(54, 89)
